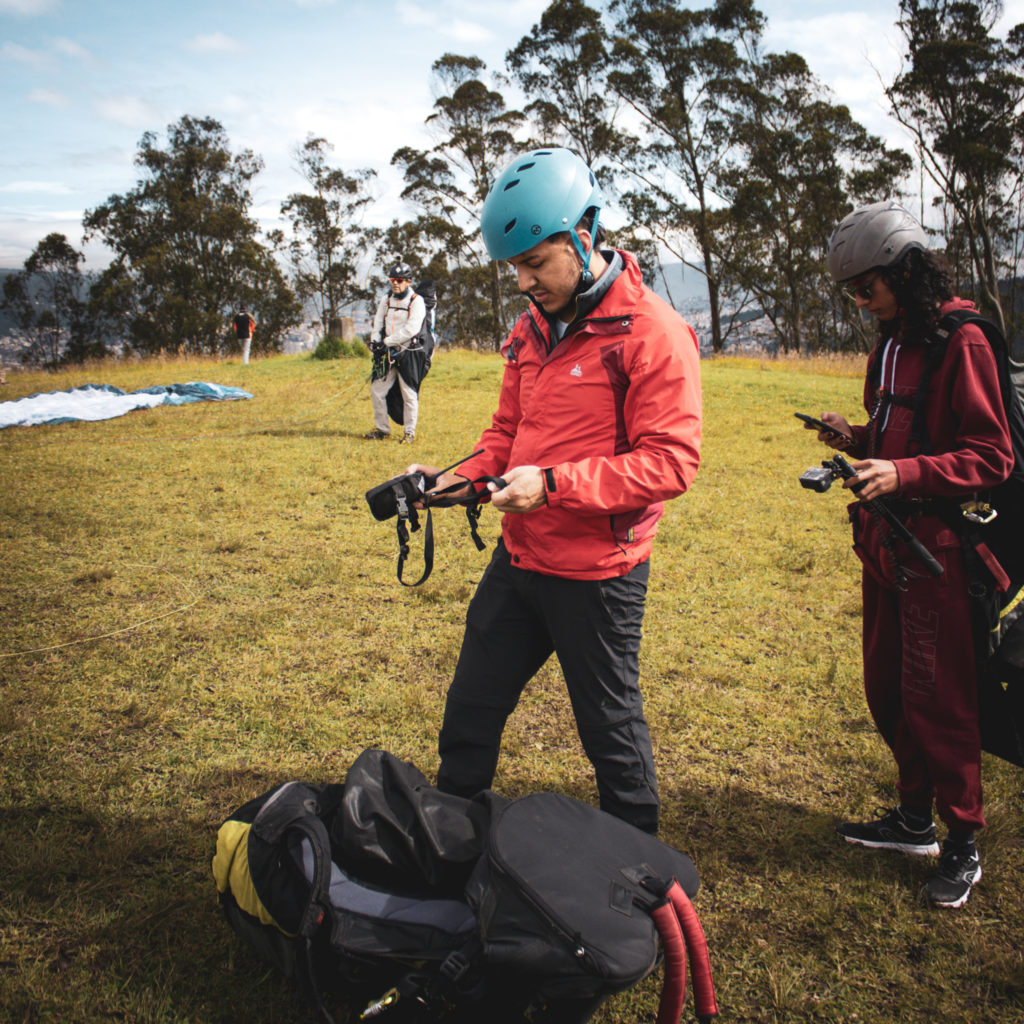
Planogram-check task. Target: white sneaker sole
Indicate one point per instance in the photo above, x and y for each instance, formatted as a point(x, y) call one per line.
point(912, 849)
point(954, 904)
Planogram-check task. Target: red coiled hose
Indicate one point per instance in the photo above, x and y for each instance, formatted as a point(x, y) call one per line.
point(673, 992)
point(704, 1002)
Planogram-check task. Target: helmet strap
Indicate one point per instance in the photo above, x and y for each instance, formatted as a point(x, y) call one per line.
point(586, 275)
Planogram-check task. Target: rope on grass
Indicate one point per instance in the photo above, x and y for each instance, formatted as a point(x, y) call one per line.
point(100, 636)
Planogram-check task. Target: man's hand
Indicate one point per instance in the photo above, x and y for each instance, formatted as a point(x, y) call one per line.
point(875, 479)
point(445, 480)
point(524, 491)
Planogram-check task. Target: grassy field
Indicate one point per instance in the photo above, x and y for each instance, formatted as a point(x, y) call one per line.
point(195, 605)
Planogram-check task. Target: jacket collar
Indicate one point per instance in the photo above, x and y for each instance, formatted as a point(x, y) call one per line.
point(613, 295)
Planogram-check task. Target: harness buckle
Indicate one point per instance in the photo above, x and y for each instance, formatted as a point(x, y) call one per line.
point(978, 512)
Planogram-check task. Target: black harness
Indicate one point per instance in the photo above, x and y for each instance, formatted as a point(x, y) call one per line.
point(408, 520)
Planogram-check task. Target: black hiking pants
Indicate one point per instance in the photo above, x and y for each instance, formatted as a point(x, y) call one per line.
point(516, 619)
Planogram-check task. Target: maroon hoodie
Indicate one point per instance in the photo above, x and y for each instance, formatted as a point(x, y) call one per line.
point(965, 416)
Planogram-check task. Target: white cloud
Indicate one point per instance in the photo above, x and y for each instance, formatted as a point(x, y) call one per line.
point(43, 59)
point(1013, 14)
point(49, 98)
point(19, 235)
point(468, 32)
point(415, 14)
point(51, 187)
point(214, 42)
point(23, 55)
point(849, 52)
point(69, 48)
point(128, 110)
point(445, 20)
point(29, 7)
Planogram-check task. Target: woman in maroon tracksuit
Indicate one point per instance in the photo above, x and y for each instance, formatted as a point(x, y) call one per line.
point(919, 668)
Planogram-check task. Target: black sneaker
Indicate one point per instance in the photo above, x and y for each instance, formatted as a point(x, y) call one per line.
point(891, 832)
point(376, 435)
point(959, 869)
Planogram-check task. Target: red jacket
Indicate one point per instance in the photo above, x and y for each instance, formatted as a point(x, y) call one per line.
point(613, 416)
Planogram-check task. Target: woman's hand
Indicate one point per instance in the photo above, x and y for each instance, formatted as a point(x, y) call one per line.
point(875, 479)
point(840, 436)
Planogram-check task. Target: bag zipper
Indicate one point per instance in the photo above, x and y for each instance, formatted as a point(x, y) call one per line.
point(547, 915)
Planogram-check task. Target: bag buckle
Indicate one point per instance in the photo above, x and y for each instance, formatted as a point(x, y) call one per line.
point(379, 1006)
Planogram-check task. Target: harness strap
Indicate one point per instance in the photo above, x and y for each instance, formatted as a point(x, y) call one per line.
point(407, 514)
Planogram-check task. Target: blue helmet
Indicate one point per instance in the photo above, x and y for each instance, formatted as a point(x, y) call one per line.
point(538, 195)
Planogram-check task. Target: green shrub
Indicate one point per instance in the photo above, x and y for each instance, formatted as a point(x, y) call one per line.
point(331, 347)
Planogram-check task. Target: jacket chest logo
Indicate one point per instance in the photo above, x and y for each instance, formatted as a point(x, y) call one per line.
point(576, 371)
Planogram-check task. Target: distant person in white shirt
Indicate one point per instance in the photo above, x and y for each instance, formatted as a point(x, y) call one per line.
point(395, 328)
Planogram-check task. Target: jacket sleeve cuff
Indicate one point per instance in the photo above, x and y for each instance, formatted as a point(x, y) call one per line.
point(909, 473)
point(550, 487)
point(860, 442)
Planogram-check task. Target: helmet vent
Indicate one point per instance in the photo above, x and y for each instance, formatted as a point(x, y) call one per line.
point(510, 225)
point(525, 167)
point(511, 184)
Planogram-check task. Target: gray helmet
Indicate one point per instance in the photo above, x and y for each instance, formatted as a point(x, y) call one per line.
point(873, 236)
point(401, 270)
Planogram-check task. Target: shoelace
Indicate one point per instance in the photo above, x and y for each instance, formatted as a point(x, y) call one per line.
point(954, 863)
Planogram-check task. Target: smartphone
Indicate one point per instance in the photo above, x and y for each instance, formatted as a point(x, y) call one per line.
point(820, 425)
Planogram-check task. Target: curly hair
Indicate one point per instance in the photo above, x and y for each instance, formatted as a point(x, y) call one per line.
point(920, 280)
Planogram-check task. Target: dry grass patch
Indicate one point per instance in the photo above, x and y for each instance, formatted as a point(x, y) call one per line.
point(195, 605)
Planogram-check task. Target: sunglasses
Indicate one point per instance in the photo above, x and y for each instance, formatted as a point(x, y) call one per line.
point(862, 291)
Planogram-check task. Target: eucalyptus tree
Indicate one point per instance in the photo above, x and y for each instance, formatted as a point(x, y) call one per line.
point(327, 232)
point(960, 94)
point(475, 136)
point(186, 250)
point(804, 162)
point(684, 75)
point(48, 300)
point(561, 65)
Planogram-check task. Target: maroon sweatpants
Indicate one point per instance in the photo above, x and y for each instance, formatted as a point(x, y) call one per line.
point(919, 673)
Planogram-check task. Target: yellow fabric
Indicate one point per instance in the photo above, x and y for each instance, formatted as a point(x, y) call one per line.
point(1011, 605)
point(231, 871)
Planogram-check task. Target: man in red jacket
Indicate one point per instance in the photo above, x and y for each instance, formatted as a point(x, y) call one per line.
point(919, 665)
point(598, 424)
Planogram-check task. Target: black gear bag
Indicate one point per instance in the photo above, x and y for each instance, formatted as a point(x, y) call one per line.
point(420, 906)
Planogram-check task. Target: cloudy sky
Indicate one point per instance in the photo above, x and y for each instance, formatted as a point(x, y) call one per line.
point(80, 82)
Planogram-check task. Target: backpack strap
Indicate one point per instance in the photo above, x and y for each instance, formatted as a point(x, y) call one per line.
point(288, 810)
point(936, 345)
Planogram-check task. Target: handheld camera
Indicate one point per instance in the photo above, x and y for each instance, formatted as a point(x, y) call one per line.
point(819, 478)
